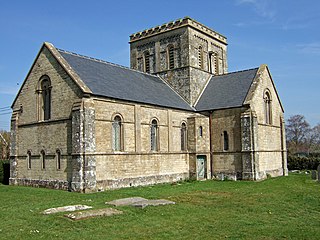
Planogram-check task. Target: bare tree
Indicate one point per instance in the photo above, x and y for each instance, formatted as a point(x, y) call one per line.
point(315, 138)
point(4, 144)
point(298, 134)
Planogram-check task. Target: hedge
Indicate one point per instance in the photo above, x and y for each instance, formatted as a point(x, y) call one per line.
point(303, 163)
point(4, 171)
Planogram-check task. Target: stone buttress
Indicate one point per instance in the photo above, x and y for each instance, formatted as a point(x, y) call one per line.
point(83, 147)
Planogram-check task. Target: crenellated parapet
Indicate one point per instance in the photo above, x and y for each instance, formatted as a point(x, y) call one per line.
point(183, 22)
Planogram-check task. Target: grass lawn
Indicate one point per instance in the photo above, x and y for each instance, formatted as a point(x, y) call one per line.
point(278, 208)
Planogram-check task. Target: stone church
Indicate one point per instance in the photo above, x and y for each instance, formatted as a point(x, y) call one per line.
point(84, 124)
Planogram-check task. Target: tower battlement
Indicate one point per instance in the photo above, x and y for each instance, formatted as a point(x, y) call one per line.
point(182, 22)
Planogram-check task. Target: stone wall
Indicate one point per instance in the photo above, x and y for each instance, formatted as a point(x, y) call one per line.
point(136, 164)
point(198, 144)
point(228, 161)
point(50, 135)
point(271, 136)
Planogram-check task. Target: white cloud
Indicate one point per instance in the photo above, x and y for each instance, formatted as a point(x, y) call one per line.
point(261, 7)
point(309, 48)
point(296, 23)
point(252, 23)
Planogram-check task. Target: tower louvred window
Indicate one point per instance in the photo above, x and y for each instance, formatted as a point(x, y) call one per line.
point(147, 62)
point(171, 57)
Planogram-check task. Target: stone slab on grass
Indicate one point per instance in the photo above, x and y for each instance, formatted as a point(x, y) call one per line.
point(126, 201)
point(71, 208)
point(154, 202)
point(93, 213)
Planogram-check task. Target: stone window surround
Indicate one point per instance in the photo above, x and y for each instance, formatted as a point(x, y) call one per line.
point(43, 159)
point(200, 57)
point(44, 98)
point(170, 56)
point(58, 159)
point(154, 135)
point(183, 138)
point(267, 107)
point(117, 142)
point(29, 155)
point(146, 61)
point(225, 141)
point(200, 131)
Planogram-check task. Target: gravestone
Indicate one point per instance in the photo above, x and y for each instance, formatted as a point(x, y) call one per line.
point(105, 212)
point(152, 202)
point(139, 202)
point(71, 208)
point(314, 175)
point(126, 201)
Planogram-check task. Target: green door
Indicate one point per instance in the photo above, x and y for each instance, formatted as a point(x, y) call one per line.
point(201, 167)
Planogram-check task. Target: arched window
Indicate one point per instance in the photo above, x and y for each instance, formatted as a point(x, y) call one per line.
point(146, 58)
point(183, 136)
point(170, 57)
point(267, 107)
point(200, 57)
point(29, 159)
point(225, 141)
point(58, 159)
point(200, 131)
point(43, 159)
point(117, 134)
point(44, 91)
point(154, 135)
point(210, 62)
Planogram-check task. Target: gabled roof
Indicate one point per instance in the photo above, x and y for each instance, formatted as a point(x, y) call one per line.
point(226, 91)
point(100, 78)
point(114, 81)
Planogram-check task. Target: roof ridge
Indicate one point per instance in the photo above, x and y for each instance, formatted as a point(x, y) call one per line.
point(237, 71)
point(103, 61)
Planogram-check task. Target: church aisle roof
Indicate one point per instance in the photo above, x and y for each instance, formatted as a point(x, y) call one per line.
point(226, 91)
point(114, 81)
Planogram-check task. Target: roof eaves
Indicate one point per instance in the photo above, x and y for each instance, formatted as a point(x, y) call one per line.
point(144, 103)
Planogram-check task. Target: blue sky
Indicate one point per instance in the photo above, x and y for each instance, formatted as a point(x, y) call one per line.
point(281, 33)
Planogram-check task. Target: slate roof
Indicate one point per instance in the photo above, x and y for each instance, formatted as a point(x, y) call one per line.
point(226, 91)
point(114, 81)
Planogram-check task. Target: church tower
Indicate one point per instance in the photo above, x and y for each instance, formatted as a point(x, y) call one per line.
point(185, 53)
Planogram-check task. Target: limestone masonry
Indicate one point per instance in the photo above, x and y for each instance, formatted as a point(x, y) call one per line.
point(83, 124)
